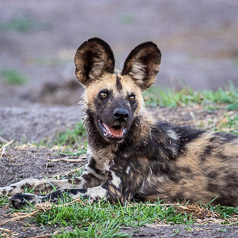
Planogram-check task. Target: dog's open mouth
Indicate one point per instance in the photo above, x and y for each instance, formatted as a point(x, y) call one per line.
point(112, 132)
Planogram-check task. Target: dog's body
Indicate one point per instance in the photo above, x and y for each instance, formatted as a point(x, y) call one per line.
point(130, 155)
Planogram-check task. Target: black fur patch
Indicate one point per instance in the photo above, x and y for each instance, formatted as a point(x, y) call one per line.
point(75, 180)
point(206, 153)
point(20, 200)
point(91, 180)
point(212, 175)
point(76, 191)
point(179, 197)
point(212, 187)
point(227, 136)
point(53, 196)
point(118, 83)
point(186, 136)
point(27, 185)
point(92, 165)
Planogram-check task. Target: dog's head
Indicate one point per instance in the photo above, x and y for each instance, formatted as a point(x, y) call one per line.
point(115, 100)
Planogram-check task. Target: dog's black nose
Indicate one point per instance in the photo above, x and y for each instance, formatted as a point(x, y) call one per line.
point(120, 114)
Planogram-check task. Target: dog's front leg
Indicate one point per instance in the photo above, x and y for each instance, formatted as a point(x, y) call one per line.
point(45, 185)
point(111, 190)
point(22, 199)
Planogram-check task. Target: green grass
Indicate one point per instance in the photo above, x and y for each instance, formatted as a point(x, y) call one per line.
point(3, 201)
point(74, 137)
point(206, 98)
point(230, 124)
point(13, 77)
point(79, 152)
point(224, 211)
point(103, 219)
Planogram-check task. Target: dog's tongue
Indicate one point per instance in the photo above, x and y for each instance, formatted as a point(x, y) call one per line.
point(116, 132)
point(113, 131)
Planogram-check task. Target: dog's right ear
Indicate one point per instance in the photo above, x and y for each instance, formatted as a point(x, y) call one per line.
point(92, 59)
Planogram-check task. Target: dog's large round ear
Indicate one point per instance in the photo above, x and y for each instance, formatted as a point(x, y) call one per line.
point(142, 64)
point(92, 59)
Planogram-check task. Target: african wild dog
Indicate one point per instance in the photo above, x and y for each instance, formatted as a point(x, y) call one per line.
point(130, 155)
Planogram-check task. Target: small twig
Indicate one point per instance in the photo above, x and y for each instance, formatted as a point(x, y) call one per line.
point(162, 204)
point(42, 236)
point(67, 159)
point(72, 202)
point(7, 144)
point(3, 149)
point(67, 173)
point(5, 230)
point(19, 217)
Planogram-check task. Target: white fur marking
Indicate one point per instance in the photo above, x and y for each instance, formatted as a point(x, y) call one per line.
point(128, 169)
point(89, 170)
point(138, 71)
point(97, 192)
point(172, 134)
point(115, 180)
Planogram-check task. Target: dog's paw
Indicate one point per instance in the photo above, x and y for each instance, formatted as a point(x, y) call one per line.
point(4, 191)
point(21, 199)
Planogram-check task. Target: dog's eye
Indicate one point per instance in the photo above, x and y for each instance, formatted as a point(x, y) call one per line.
point(132, 98)
point(103, 94)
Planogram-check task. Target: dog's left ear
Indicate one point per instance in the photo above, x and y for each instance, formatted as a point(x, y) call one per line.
point(142, 64)
point(93, 59)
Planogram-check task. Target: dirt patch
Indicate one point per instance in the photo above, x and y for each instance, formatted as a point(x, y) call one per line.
point(37, 123)
point(27, 161)
point(23, 229)
point(209, 230)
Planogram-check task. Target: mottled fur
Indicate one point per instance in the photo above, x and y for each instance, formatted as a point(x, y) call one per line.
point(132, 156)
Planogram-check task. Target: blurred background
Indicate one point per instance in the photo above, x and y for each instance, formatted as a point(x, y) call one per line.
point(38, 39)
